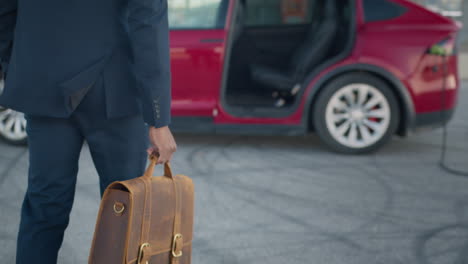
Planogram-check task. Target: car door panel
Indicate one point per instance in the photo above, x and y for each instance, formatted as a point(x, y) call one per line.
point(197, 40)
point(196, 61)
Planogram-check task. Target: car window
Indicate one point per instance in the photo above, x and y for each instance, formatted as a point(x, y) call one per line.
point(197, 14)
point(278, 12)
point(377, 10)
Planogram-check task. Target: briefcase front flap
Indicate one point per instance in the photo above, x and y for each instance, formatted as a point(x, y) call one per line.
point(157, 211)
point(163, 212)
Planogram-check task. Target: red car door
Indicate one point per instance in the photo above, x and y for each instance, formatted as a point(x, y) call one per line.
point(197, 39)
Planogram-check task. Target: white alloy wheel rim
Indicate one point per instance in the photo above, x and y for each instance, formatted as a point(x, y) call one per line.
point(358, 115)
point(12, 123)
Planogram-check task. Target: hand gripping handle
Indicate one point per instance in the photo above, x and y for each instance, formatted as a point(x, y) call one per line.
point(153, 160)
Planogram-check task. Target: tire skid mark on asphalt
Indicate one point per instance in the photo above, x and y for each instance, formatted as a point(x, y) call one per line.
point(334, 235)
point(460, 209)
point(11, 165)
point(383, 216)
point(296, 220)
point(460, 252)
point(216, 180)
point(414, 187)
point(201, 167)
point(243, 168)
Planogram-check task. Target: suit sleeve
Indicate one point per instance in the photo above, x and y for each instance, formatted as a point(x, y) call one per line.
point(149, 36)
point(7, 26)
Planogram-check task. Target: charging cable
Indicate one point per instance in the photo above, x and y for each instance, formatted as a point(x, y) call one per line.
point(442, 162)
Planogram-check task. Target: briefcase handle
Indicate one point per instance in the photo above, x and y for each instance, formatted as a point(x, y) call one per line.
point(153, 160)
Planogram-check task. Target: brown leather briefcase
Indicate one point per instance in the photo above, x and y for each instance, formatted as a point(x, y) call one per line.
point(146, 220)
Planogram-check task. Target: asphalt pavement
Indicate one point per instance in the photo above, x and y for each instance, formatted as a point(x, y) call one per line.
point(281, 200)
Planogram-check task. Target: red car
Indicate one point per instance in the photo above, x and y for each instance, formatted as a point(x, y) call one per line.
point(356, 72)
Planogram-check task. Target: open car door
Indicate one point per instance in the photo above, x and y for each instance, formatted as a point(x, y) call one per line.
point(198, 38)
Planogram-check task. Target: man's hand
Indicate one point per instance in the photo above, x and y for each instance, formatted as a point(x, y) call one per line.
point(162, 143)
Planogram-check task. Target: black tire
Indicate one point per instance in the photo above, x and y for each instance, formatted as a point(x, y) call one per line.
point(319, 112)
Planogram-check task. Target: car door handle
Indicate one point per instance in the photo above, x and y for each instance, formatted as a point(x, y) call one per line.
point(211, 40)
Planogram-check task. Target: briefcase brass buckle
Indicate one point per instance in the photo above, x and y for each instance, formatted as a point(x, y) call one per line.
point(174, 246)
point(141, 253)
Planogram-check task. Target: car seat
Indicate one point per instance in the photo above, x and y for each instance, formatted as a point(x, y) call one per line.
point(309, 54)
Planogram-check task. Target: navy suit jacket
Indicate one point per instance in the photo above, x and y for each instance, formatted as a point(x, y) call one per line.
point(52, 52)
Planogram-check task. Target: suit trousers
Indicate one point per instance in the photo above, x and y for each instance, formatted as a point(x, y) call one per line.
point(118, 150)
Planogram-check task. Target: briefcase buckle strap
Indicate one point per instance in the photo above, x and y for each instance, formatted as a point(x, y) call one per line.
point(177, 245)
point(141, 253)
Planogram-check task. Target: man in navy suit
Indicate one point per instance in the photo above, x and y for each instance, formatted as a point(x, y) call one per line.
point(83, 70)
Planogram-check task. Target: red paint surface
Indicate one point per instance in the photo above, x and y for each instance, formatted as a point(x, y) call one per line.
point(197, 61)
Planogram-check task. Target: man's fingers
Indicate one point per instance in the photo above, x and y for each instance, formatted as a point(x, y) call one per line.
point(152, 151)
point(149, 151)
point(165, 156)
point(162, 143)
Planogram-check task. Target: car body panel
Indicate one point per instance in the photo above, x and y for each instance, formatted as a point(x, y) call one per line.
point(399, 45)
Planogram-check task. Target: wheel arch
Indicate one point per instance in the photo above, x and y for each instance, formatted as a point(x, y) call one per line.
point(405, 101)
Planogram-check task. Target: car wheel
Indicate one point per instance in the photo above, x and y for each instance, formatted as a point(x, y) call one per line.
point(356, 113)
point(12, 124)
